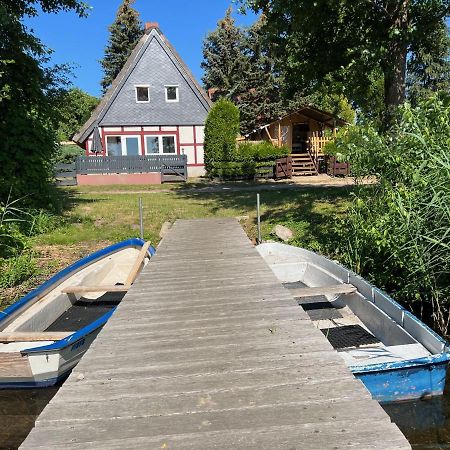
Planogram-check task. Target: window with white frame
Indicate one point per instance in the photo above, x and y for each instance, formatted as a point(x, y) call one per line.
point(142, 94)
point(123, 145)
point(171, 93)
point(160, 145)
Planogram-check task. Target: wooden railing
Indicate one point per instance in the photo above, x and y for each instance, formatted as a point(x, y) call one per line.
point(316, 146)
point(175, 165)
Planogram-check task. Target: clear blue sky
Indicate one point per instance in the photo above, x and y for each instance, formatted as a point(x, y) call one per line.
point(81, 42)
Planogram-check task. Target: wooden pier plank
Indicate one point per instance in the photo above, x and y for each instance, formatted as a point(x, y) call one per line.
point(208, 351)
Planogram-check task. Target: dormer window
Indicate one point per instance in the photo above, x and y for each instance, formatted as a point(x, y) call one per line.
point(171, 93)
point(142, 94)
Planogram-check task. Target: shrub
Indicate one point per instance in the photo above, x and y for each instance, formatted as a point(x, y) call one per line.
point(221, 130)
point(398, 232)
point(67, 154)
point(249, 160)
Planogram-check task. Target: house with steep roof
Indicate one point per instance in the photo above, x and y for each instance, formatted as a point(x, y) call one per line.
point(154, 106)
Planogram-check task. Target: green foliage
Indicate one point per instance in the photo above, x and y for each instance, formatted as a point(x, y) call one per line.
point(29, 88)
point(221, 131)
point(223, 58)
point(16, 270)
point(238, 65)
point(352, 43)
point(250, 160)
point(397, 231)
point(67, 154)
point(74, 106)
point(261, 151)
point(17, 226)
point(125, 33)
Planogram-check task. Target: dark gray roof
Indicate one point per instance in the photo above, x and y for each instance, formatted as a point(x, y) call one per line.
point(153, 62)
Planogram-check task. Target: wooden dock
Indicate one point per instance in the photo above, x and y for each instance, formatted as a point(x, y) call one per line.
point(208, 351)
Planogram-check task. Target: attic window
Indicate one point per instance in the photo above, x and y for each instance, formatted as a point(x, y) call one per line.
point(171, 93)
point(142, 94)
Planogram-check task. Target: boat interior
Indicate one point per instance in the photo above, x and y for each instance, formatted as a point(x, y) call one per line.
point(81, 298)
point(361, 322)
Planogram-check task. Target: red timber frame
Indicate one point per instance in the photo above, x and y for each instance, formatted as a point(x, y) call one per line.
point(142, 134)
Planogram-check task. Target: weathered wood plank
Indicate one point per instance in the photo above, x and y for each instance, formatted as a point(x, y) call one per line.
point(98, 288)
point(323, 290)
point(137, 264)
point(19, 336)
point(14, 365)
point(208, 351)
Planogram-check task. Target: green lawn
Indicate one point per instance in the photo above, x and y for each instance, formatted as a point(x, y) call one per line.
point(113, 215)
point(96, 217)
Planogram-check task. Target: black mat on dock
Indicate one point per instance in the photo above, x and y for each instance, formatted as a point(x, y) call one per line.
point(84, 312)
point(349, 336)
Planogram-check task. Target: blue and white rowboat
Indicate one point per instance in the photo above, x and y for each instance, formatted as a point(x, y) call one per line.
point(391, 351)
point(38, 347)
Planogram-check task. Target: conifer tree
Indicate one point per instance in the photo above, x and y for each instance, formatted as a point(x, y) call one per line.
point(124, 35)
point(260, 98)
point(224, 59)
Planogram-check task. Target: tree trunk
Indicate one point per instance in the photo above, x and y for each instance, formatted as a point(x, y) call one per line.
point(395, 65)
point(395, 77)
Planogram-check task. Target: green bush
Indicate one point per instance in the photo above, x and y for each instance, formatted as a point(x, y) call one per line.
point(249, 160)
point(67, 154)
point(221, 130)
point(397, 231)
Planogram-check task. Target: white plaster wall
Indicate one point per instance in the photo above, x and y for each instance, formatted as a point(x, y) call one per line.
point(200, 155)
point(151, 128)
point(168, 128)
point(131, 128)
point(187, 135)
point(200, 134)
point(190, 152)
point(110, 128)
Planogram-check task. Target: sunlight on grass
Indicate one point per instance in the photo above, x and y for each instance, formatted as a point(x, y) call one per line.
point(112, 217)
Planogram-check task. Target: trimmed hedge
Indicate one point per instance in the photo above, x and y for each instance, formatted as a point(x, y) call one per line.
point(221, 130)
point(249, 160)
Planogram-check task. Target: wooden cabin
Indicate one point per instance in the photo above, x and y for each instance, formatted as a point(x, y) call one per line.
point(304, 131)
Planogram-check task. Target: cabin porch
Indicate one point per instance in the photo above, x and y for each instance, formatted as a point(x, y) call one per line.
point(305, 132)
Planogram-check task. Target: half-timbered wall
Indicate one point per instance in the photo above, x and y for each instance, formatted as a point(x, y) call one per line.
point(189, 141)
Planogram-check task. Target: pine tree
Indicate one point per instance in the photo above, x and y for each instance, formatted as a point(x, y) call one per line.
point(224, 59)
point(260, 97)
point(124, 35)
point(238, 66)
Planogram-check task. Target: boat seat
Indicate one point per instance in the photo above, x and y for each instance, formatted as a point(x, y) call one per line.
point(80, 289)
point(30, 336)
point(323, 290)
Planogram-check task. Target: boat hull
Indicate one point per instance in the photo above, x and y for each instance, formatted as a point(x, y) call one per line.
point(408, 379)
point(409, 383)
point(50, 362)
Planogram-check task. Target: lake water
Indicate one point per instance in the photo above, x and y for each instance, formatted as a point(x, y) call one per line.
point(426, 423)
point(18, 411)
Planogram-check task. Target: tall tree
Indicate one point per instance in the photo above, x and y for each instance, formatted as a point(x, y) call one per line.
point(28, 90)
point(125, 32)
point(75, 106)
point(351, 38)
point(224, 59)
point(260, 99)
point(428, 70)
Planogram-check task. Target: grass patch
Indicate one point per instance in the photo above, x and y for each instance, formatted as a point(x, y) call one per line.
point(93, 220)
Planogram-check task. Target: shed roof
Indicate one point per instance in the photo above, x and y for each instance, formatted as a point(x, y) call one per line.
point(151, 33)
point(309, 111)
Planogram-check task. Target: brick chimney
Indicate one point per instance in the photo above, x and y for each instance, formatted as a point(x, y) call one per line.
point(151, 25)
